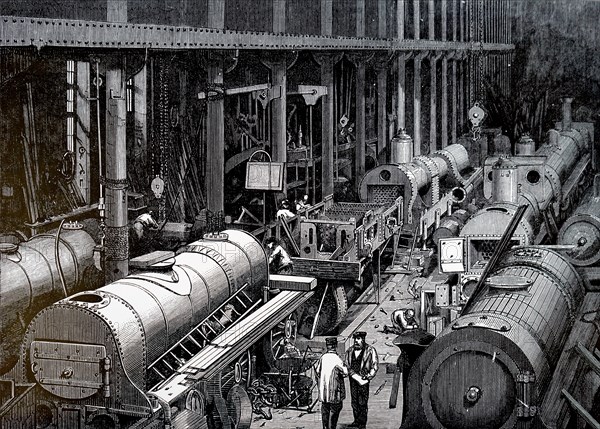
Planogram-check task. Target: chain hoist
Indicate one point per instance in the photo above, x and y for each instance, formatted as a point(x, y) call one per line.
point(477, 114)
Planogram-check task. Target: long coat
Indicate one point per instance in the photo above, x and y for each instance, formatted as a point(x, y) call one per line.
point(331, 372)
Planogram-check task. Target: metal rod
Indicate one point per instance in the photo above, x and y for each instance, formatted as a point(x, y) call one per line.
point(316, 321)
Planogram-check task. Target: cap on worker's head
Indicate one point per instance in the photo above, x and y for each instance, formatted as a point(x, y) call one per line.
point(409, 312)
point(331, 342)
point(359, 334)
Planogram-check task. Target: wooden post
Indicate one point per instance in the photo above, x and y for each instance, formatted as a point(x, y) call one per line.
point(401, 94)
point(400, 19)
point(327, 20)
point(417, 19)
point(444, 130)
point(454, 100)
point(455, 20)
point(360, 18)
point(216, 14)
point(327, 62)
point(433, 104)
point(117, 237)
point(361, 135)
point(461, 17)
point(278, 111)
point(382, 19)
point(140, 91)
point(215, 118)
point(116, 10)
point(431, 20)
point(215, 138)
point(417, 104)
point(382, 134)
point(444, 20)
point(279, 11)
point(82, 143)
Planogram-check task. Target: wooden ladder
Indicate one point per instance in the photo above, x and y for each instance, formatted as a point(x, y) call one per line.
point(592, 360)
point(237, 306)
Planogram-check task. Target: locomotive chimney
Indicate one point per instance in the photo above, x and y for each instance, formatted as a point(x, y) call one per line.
point(567, 120)
point(504, 181)
point(402, 148)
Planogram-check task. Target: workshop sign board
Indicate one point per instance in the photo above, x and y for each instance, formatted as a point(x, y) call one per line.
point(264, 176)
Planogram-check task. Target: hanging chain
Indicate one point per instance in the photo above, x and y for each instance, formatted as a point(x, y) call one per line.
point(471, 71)
point(481, 96)
point(476, 113)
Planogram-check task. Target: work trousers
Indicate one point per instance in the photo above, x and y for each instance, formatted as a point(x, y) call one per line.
point(330, 413)
point(360, 402)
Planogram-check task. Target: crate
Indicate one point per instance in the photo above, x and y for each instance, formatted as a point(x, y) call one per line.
point(435, 324)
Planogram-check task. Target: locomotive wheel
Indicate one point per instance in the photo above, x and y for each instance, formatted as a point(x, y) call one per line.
point(239, 407)
point(238, 373)
point(333, 311)
point(279, 347)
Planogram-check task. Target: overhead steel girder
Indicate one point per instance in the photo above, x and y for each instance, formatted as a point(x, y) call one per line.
point(42, 32)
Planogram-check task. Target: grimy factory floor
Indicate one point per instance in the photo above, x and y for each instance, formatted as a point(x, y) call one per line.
point(366, 316)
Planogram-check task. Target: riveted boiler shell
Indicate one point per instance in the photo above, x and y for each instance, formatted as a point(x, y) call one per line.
point(30, 281)
point(515, 327)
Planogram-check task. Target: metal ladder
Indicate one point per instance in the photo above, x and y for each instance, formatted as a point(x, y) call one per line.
point(234, 308)
point(593, 361)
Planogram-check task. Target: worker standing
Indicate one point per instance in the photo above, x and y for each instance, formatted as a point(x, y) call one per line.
point(331, 371)
point(363, 363)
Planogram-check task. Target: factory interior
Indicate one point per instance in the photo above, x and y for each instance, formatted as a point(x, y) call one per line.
point(286, 214)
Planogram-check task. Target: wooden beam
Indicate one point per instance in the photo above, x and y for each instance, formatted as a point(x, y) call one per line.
point(279, 15)
point(82, 142)
point(326, 17)
point(360, 18)
point(359, 166)
point(117, 243)
point(215, 139)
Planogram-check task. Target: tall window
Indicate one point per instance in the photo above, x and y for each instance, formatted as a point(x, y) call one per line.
point(71, 105)
point(130, 95)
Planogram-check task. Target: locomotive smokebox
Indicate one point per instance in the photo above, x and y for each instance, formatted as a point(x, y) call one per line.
point(504, 181)
point(582, 229)
point(401, 148)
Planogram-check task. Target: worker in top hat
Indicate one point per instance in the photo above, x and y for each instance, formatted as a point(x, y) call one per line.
point(331, 371)
point(362, 362)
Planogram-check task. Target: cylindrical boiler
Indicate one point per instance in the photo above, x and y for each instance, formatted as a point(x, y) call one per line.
point(30, 281)
point(492, 365)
